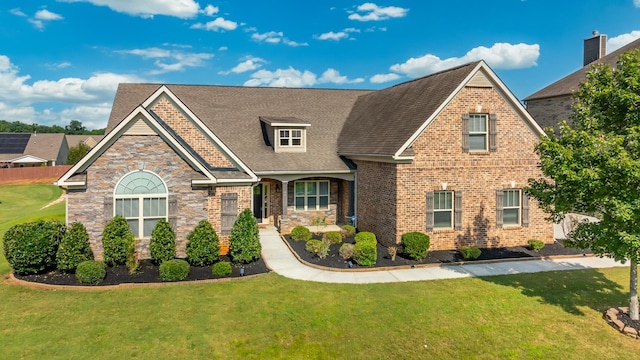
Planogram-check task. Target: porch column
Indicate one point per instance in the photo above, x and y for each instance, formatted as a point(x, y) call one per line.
point(285, 190)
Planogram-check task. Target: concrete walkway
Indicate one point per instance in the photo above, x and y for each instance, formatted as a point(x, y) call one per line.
point(279, 258)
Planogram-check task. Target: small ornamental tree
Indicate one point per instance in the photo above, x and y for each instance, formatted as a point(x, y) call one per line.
point(244, 242)
point(593, 166)
point(203, 245)
point(118, 241)
point(162, 244)
point(74, 248)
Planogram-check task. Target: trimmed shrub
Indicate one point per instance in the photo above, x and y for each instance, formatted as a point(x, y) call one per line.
point(346, 251)
point(244, 241)
point(300, 232)
point(91, 272)
point(222, 268)
point(203, 245)
point(31, 247)
point(174, 270)
point(74, 248)
point(365, 236)
point(348, 230)
point(535, 244)
point(470, 252)
point(313, 246)
point(416, 244)
point(333, 237)
point(162, 244)
point(118, 242)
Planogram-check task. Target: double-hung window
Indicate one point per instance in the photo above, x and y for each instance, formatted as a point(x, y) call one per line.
point(443, 209)
point(312, 195)
point(512, 208)
point(290, 137)
point(478, 132)
point(141, 198)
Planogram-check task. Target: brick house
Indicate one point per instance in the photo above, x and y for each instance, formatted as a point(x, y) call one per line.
point(554, 103)
point(445, 154)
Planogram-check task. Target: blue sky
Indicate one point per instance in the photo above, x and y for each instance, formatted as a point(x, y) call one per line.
point(62, 60)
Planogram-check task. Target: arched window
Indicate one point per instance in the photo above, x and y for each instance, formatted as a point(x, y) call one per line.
point(141, 197)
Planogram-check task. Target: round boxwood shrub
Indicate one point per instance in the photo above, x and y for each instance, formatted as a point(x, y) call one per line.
point(31, 247)
point(313, 246)
point(416, 244)
point(174, 270)
point(162, 244)
point(365, 251)
point(244, 240)
point(118, 241)
point(348, 230)
point(74, 248)
point(346, 251)
point(333, 237)
point(365, 236)
point(222, 268)
point(301, 233)
point(91, 272)
point(470, 252)
point(203, 245)
point(535, 244)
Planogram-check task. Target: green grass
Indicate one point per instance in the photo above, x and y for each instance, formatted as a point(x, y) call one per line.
point(555, 315)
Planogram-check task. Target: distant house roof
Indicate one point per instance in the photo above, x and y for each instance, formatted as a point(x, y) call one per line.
point(91, 140)
point(569, 83)
point(43, 146)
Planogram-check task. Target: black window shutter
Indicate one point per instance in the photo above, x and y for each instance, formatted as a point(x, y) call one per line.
point(457, 222)
point(229, 211)
point(499, 208)
point(172, 211)
point(430, 211)
point(465, 133)
point(493, 133)
point(108, 208)
point(525, 210)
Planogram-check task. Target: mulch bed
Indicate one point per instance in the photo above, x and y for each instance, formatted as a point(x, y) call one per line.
point(147, 273)
point(333, 260)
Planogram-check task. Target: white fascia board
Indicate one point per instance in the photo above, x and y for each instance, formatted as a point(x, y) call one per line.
point(380, 158)
point(110, 138)
point(202, 127)
point(290, 125)
point(28, 159)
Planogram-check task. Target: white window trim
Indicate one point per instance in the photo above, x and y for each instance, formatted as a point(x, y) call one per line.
point(290, 138)
point(485, 133)
point(519, 207)
point(140, 198)
point(317, 196)
point(451, 211)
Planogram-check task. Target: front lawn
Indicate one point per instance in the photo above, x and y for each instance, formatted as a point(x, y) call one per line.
point(554, 315)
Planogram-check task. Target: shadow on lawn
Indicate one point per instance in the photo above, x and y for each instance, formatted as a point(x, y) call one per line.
point(569, 290)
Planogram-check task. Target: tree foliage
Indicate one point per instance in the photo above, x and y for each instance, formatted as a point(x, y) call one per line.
point(77, 152)
point(244, 240)
point(74, 127)
point(593, 166)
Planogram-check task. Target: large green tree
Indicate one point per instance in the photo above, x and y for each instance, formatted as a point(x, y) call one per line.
point(77, 152)
point(593, 166)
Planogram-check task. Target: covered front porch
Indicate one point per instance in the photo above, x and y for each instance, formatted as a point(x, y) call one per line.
point(287, 201)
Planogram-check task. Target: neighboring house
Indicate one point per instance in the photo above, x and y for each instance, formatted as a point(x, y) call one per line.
point(29, 150)
point(447, 154)
point(553, 104)
point(89, 140)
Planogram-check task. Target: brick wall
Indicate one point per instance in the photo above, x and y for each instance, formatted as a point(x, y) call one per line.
point(549, 112)
point(376, 199)
point(214, 209)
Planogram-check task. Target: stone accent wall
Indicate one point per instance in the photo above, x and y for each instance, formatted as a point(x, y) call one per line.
point(549, 112)
point(439, 159)
point(305, 218)
point(214, 215)
point(123, 157)
point(194, 137)
point(376, 200)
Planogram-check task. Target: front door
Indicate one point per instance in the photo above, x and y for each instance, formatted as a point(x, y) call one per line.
point(261, 202)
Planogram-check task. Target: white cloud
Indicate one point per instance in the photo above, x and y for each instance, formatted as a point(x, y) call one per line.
point(45, 14)
point(223, 48)
point(89, 99)
point(183, 9)
point(351, 30)
point(619, 41)
point(169, 60)
point(273, 37)
point(250, 63)
point(219, 24)
point(62, 65)
point(383, 78)
point(333, 76)
point(282, 78)
point(499, 56)
point(373, 12)
point(332, 36)
point(210, 10)
point(17, 12)
point(636, 3)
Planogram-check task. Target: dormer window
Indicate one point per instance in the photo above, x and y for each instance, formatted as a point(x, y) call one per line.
point(290, 137)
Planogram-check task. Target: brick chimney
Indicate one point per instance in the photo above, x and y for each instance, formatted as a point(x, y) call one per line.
point(595, 47)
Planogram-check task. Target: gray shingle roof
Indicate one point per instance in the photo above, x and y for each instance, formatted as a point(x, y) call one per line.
point(233, 115)
point(569, 83)
point(383, 121)
point(44, 146)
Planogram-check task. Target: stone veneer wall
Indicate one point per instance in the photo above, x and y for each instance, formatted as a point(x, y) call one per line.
point(549, 112)
point(305, 218)
point(123, 157)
